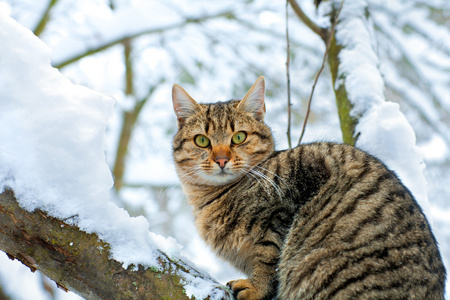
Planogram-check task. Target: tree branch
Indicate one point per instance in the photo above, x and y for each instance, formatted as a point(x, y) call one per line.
point(81, 262)
point(344, 106)
point(138, 34)
point(45, 17)
point(129, 119)
point(322, 32)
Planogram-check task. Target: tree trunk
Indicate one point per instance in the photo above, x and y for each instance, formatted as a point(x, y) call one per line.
point(344, 106)
point(81, 262)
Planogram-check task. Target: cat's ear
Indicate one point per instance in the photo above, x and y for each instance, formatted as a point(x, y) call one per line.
point(183, 104)
point(253, 101)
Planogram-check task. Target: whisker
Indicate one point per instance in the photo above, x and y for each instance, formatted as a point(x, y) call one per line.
point(248, 173)
point(260, 175)
point(187, 175)
point(270, 181)
point(281, 179)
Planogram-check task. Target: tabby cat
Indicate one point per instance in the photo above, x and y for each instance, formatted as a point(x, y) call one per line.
point(321, 221)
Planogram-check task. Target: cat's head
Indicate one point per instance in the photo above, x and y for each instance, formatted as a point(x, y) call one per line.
point(219, 143)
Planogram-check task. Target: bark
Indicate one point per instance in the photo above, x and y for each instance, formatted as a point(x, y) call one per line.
point(344, 106)
point(80, 262)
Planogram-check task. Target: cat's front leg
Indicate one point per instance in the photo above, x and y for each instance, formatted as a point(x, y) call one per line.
point(243, 289)
point(260, 286)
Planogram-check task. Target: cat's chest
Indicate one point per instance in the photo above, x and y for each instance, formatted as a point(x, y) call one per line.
point(234, 246)
point(225, 233)
point(217, 226)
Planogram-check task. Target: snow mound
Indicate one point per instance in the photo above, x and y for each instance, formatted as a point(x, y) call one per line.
point(52, 135)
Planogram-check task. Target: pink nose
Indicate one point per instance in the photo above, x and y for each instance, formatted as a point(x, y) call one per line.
point(221, 162)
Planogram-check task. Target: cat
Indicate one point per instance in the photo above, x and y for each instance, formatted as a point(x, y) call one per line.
point(320, 221)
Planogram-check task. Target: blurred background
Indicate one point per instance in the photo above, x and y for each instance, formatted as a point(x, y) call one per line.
point(135, 50)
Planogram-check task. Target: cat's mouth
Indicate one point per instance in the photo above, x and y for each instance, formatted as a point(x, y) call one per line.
point(223, 177)
point(223, 173)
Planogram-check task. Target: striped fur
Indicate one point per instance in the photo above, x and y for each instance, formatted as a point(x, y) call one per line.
point(321, 221)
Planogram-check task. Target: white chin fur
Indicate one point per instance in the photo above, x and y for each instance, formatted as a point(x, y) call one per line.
point(220, 178)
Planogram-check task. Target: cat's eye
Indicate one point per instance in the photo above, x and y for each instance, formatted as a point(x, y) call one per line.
point(239, 137)
point(201, 141)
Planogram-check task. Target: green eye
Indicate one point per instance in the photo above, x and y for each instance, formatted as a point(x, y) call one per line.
point(239, 138)
point(201, 141)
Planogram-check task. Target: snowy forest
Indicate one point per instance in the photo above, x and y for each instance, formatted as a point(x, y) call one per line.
point(86, 121)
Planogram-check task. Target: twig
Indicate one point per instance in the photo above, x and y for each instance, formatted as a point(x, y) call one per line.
point(307, 21)
point(127, 50)
point(288, 77)
point(328, 42)
point(45, 17)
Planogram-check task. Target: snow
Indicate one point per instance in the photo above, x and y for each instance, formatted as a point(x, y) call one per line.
point(434, 149)
point(52, 152)
point(358, 61)
point(392, 139)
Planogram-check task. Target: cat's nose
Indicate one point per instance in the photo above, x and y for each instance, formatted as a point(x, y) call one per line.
point(221, 162)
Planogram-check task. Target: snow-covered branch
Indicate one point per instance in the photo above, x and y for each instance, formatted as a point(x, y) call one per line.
point(367, 119)
point(380, 127)
point(82, 263)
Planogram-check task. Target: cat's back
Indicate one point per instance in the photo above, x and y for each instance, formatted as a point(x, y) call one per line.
point(321, 221)
point(358, 232)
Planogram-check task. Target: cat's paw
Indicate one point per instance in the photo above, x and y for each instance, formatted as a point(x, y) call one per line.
point(243, 289)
